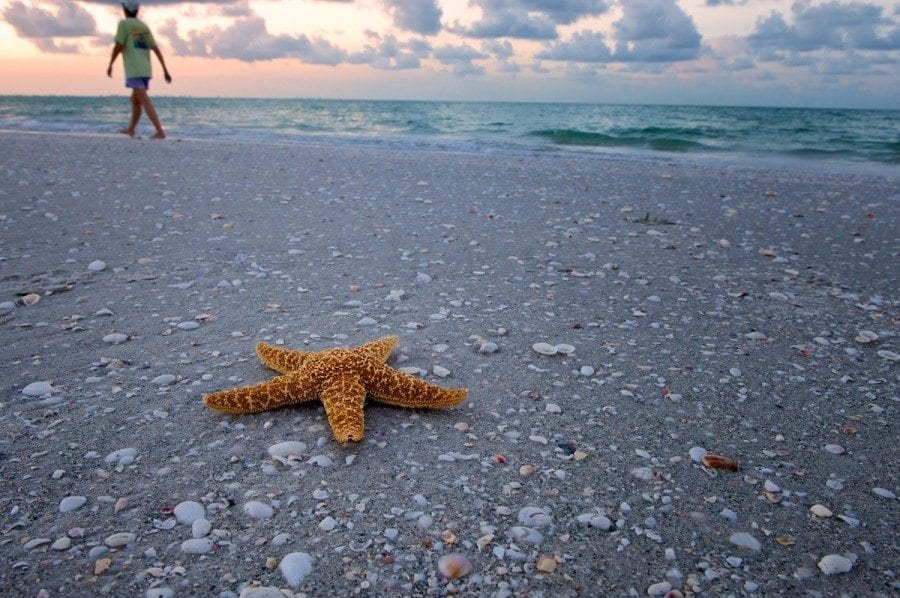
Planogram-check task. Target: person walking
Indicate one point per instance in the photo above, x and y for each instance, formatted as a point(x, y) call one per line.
point(134, 41)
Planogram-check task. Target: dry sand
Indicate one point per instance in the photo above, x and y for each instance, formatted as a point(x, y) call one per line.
point(752, 314)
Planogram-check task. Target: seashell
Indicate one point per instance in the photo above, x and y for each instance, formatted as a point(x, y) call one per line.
point(546, 564)
point(30, 299)
point(545, 348)
point(866, 336)
point(102, 565)
point(448, 536)
point(889, 355)
point(785, 541)
point(714, 461)
point(834, 564)
point(295, 567)
point(534, 517)
point(565, 349)
point(820, 511)
point(454, 566)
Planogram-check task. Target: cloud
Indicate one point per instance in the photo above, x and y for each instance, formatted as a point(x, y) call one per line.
point(828, 26)
point(390, 54)
point(655, 31)
point(583, 46)
point(649, 31)
point(42, 26)
point(459, 59)
point(248, 39)
point(528, 19)
point(419, 16)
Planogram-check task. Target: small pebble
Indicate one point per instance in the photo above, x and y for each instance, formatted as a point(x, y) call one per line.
point(258, 510)
point(834, 564)
point(120, 539)
point(197, 546)
point(38, 389)
point(884, 493)
point(163, 380)
point(115, 338)
point(189, 325)
point(544, 348)
point(97, 266)
point(70, 503)
point(745, 540)
point(834, 449)
point(188, 512)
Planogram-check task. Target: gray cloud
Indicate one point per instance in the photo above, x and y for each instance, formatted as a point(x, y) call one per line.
point(655, 31)
point(42, 27)
point(249, 40)
point(390, 54)
point(459, 59)
point(829, 26)
point(528, 19)
point(649, 31)
point(583, 46)
point(419, 16)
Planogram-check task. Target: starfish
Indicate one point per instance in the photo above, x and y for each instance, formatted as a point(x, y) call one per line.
point(339, 377)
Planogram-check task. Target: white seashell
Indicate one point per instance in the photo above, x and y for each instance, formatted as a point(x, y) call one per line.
point(552, 408)
point(565, 349)
point(866, 336)
point(534, 517)
point(295, 567)
point(771, 486)
point(197, 546)
point(327, 524)
point(70, 503)
point(115, 339)
point(258, 510)
point(821, 511)
point(97, 266)
point(38, 389)
point(488, 347)
point(745, 540)
point(124, 456)
point(288, 450)
point(187, 512)
point(163, 380)
point(120, 539)
point(697, 453)
point(440, 372)
point(454, 566)
point(884, 493)
point(321, 461)
point(834, 449)
point(201, 527)
point(544, 348)
point(834, 564)
point(889, 355)
point(586, 370)
point(756, 336)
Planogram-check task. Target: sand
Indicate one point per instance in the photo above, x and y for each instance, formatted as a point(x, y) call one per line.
point(751, 314)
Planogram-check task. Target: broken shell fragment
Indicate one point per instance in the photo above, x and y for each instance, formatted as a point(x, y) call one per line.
point(714, 461)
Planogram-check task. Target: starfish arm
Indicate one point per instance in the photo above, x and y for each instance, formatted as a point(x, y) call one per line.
point(378, 350)
point(343, 397)
point(279, 359)
point(278, 392)
point(389, 386)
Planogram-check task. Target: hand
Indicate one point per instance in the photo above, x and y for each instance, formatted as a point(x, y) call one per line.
point(109, 71)
point(168, 77)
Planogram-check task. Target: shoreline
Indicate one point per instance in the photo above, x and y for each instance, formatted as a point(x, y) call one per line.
point(748, 313)
point(731, 162)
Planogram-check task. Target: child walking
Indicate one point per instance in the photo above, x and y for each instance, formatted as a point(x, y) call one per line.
point(134, 42)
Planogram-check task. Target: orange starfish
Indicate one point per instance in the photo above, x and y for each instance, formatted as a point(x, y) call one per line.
point(340, 378)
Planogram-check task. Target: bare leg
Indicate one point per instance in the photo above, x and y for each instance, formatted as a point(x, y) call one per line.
point(135, 115)
point(147, 105)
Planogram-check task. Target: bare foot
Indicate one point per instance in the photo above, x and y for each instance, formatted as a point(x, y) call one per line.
point(130, 133)
point(159, 135)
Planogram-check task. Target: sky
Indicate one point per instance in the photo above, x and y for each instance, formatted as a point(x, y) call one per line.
point(836, 53)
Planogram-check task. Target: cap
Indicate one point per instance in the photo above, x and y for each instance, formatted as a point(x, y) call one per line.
point(131, 5)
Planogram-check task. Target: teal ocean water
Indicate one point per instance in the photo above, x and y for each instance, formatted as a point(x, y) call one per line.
point(806, 138)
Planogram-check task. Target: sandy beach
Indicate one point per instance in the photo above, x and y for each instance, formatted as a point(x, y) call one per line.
point(613, 320)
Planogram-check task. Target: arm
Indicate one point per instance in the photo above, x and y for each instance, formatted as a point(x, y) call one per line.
point(117, 49)
point(159, 56)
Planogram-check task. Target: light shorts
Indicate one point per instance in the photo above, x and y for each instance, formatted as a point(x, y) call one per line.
point(138, 82)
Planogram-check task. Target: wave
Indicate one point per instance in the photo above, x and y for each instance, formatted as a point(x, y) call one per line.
point(654, 138)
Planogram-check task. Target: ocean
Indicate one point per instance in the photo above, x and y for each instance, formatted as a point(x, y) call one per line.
point(832, 140)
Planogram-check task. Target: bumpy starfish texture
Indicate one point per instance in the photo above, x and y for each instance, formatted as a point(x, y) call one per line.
point(339, 377)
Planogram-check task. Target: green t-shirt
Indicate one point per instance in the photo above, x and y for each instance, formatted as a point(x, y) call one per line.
point(137, 41)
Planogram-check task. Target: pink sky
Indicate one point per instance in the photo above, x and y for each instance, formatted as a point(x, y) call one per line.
point(760, 52)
